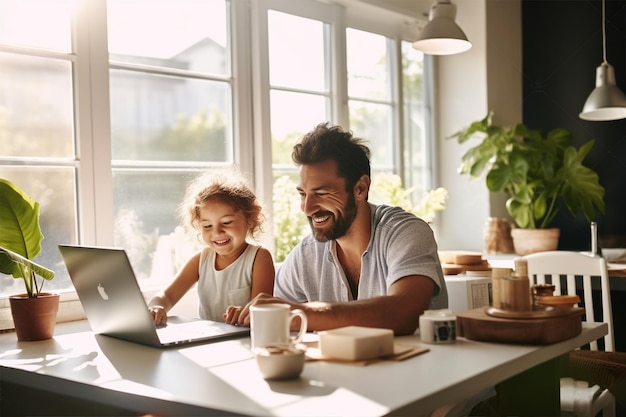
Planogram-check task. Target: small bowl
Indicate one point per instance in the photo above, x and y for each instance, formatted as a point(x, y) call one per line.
point(617, 255)
point(564, 302)
point(280, 362)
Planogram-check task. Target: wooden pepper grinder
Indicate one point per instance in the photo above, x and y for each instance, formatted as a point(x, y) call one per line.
point(523, 287)
point(497, 274)
point(516, 288)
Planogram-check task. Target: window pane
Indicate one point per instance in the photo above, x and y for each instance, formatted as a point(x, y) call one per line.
point(288, 126)
point(146, 204)
point(36, 104)
point(165, 122)
point(298, 59)
point(373, 123)
point(290, 224)
point(37, 23)
point(163, 118)
point(368, 75)
point(370, 93)
point(182, 34)
point(296, 52)
point(53, 189)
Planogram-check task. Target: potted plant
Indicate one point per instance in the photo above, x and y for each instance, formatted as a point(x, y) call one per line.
point(539, 174)
point(34, 312)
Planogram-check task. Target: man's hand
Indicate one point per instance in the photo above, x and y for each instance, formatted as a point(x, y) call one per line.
point(232, 315)
point(240, 316)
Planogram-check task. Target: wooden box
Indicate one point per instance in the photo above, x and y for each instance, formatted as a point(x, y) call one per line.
point(530, 329)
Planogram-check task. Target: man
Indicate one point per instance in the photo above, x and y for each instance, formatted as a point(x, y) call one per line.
point(362, 265)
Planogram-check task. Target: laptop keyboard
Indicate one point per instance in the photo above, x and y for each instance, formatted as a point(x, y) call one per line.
point(186, 331)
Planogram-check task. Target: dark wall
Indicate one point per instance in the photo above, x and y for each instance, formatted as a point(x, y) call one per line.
point(562, 47)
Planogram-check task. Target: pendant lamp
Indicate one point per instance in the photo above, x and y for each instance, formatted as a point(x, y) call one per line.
point(441, 35)
point(606, 101)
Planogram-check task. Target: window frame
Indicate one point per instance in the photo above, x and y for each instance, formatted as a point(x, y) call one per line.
point(250, 105)
point(348, 14)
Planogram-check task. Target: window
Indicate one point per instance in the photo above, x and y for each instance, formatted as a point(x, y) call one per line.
point(371, 97)
point(299, 98)
point(309, 81)
point(109, 107)
point(37, 120)
point(171, 94)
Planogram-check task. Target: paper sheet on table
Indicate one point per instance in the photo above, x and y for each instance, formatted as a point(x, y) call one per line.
point(400, 353)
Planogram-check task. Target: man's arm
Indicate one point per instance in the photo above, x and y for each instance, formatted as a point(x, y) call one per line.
point(399, 310)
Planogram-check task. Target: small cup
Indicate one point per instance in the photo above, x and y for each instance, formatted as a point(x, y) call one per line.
point(276, 362)
point(541, 290)
point(270, 325)
point(438, 326)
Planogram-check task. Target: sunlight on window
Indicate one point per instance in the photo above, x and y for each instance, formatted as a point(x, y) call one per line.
point(368, 75)
point(296, 52)
point(37, 120)
point(370, 93)
point(298, 61)
point(169, 125)
point(37, 23)
point(163, 28)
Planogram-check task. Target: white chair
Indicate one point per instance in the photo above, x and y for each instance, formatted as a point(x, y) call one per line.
point(547, 268)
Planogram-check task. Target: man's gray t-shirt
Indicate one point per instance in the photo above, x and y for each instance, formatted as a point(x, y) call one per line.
point(401, 244)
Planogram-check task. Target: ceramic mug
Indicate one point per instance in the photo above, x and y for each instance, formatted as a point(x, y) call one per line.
point(270, 325)
point(438, 326)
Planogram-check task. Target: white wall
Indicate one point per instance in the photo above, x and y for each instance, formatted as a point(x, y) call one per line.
point(468, 85)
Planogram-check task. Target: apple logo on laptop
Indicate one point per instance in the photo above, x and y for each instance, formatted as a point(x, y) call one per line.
point(102, 292)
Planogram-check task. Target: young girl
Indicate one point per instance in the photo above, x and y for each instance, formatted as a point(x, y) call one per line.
point(223, 212)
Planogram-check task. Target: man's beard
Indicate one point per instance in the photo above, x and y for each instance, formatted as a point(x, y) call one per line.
point(341, 226)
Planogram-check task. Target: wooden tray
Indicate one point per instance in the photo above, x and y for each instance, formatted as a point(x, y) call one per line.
point(545, 312)
point(478, 325)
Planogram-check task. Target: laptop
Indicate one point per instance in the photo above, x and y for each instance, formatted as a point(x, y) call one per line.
point(114, 305)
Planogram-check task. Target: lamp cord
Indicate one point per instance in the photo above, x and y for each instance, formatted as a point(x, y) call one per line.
point(604, 31)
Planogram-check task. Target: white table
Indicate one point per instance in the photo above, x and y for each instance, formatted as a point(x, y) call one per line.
point(222, 377)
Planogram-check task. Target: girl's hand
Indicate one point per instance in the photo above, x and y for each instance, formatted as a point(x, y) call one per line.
point(159, 315)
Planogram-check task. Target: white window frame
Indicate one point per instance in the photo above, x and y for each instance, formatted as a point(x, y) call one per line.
point(93, 131)
point(250, 70)
point(349, 13)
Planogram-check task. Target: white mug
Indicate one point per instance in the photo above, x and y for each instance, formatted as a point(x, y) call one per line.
point(438, 326)
point(270, 325)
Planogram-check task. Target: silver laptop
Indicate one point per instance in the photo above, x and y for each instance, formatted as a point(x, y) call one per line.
point(108, 291)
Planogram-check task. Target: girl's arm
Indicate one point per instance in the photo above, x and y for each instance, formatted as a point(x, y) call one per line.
point(262, 283)
point(262, 273)
point(163, 302)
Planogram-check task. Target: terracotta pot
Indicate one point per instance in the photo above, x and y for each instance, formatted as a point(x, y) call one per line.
point(527, 241)
point(34, 318)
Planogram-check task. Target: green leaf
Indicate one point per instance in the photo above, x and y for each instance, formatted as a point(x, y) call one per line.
point(14, 264)
point(521, 212)
point(20, 221)
point(476, 127)
point(536, 172)
point(539, 207)
point(20, 240)
point(581, 188)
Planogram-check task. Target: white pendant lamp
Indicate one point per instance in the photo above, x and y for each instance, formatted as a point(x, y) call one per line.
point(441, 35)
point(606, 101)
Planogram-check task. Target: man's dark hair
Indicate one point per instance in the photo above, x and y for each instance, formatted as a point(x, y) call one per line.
point(332, 142)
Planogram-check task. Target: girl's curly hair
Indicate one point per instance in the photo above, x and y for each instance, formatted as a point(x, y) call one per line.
point(227, 186)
